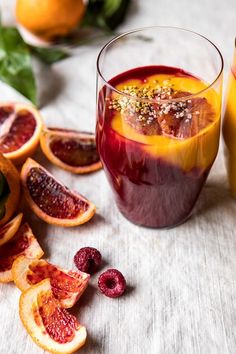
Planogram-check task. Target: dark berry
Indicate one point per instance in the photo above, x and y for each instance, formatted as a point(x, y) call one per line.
point(112, 283)
point(88, 260)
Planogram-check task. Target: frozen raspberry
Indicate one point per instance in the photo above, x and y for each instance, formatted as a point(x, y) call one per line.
point(88, 260)
point(112, 283)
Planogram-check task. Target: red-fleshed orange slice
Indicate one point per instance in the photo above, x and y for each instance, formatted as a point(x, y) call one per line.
point(51, 200)
point(71, 150)
point(23, 243)
point(20, 127)
point(67, 285)
point(51, 326)
point(8, 230)
point(9, 177)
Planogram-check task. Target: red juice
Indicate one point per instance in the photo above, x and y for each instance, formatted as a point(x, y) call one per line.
point(157, 142)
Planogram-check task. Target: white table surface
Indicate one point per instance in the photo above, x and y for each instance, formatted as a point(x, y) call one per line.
point(182, 282)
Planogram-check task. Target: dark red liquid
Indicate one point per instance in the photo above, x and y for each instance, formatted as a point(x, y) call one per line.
point(149, 191)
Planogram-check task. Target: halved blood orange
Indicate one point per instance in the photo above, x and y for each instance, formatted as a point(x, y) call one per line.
point(8, 230)
point(71, 150)
point(10, 189)
point(51, 326)
point(51, 200)
point(20, 127)
point(23, 243)
point(67, 285)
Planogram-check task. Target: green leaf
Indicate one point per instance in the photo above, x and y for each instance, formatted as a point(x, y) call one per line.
point(4, 194)
point(15, 63)
point(49, 55)
point(106, 14)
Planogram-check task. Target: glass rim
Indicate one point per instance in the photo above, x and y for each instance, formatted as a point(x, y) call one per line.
point(122, 35)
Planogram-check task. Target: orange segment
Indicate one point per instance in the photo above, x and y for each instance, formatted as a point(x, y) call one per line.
point(23, 243)
point(71, 150)
point(12, 177)
point(51, 200)
point(67, 286)
point(20, 127)
point(8, 230)
point(50, 326)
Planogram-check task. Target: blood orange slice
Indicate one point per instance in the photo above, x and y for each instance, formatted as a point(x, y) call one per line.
point(20, 127)
point(51, 327)
point(71, 150)
point(23, 243)
point(67, 286)
point(51, 200)
point(8, 230)
point(9, 189)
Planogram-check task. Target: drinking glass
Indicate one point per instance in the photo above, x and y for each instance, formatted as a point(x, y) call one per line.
point(158, 121)
point(229, 128)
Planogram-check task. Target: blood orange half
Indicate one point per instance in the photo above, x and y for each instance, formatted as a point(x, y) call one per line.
point(67, 285)
point(71, 150)
point(51, 326)
point(20, 127)
point(51, 200)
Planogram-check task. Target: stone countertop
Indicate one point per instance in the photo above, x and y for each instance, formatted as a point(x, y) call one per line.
point(182, 282)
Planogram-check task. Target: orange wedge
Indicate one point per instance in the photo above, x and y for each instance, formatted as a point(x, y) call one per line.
point(51, 327)
point(50, 200)
point(23, 243)
point(11, 176)
point(20, 127)
point(67, 286)
point(8, 230)
point(72, 150)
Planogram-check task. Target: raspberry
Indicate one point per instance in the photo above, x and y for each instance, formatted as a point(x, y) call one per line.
point(88, 260)
point(112, 283)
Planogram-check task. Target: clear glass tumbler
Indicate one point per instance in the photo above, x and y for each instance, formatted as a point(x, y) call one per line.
point(229, 127)
point(158, 121)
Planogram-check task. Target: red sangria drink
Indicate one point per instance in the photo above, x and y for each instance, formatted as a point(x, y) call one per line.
point(157, 135)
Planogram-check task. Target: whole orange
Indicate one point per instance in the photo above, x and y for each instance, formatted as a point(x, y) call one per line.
point(49, 18)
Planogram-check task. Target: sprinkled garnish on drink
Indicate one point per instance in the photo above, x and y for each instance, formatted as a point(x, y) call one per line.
point(158, 108)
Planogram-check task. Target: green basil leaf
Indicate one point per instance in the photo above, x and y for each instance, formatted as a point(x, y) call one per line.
point(15, 63)
point(49, 55)
point(4, 194)
point(106, 14)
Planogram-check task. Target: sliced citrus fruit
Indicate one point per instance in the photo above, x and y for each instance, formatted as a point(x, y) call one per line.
point(8, 230)
point(20, 127)
point(51, 326)
point(67, 286)
point(9, 189)
point(51, 200)
point(23, 243)
point(71, 150)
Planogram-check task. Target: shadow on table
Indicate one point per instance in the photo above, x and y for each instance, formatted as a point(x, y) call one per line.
point(92, 346)
point(49, 82)
point(214, 195)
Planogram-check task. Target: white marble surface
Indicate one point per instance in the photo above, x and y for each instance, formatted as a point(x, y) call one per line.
point(182, 282)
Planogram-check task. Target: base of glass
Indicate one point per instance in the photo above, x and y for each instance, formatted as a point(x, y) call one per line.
point(165, 227)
